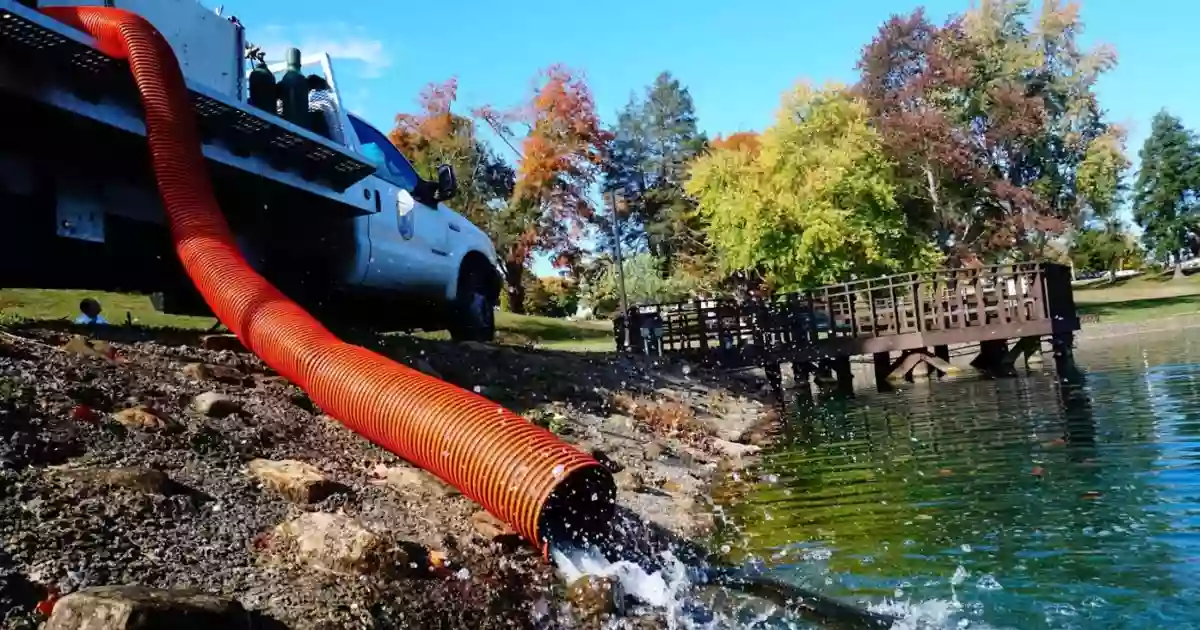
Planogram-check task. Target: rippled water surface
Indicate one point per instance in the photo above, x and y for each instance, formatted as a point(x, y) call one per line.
point(1017, 503)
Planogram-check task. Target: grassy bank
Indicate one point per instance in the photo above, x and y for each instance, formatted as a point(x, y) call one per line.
point(1139, 298)
point(48, 305)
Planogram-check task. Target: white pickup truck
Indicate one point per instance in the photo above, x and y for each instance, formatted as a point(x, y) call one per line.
point(344, 226)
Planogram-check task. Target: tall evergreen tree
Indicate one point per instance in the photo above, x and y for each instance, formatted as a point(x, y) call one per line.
point(655, 138)
point(1166, 197)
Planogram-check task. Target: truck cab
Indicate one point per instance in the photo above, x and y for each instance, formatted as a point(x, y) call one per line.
point(340, 221)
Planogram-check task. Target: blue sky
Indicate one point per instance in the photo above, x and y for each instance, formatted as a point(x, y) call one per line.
point(737, 58)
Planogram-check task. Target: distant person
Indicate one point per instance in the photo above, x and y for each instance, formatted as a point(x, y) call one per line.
point(89, 313)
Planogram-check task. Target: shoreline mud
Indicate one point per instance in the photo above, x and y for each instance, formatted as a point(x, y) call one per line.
point(173, 472)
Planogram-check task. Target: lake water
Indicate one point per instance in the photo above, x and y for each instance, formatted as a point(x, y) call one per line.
point(1015, 503)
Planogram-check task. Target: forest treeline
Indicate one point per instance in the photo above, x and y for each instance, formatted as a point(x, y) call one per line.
point(976, 140)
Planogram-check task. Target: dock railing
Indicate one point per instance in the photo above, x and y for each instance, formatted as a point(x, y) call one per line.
point(901, 311)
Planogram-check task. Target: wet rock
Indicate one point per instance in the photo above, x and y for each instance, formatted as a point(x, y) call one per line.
point(732, 450)
point(142, 418)
point(83, 346)
point(146, 480)
point(215, 404)
point(606, 461)
point(141, 608)
point(336, 543)
point(477, 346)
point(654, 451)
point(424, 367)
point(218, 373)
point(490, 527)
point(629, 481)
point(413, 479)
point(298, 481)
point(595, 597)
point(222, 342)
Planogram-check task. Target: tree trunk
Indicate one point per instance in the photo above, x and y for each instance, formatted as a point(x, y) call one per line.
point(514, 273)
point(1178, 271)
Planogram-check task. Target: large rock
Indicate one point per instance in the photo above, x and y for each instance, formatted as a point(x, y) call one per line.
point(336, 543)
point(141, 608)
point(218, 373)
point(145, 480)
point(143, 418)
point(215, 404)
point(298, 481)
point(413, 479)
point(89, 348)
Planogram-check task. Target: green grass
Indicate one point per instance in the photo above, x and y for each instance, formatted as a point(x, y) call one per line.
point(49, 305)
point(1140, 298)
point(523, 330)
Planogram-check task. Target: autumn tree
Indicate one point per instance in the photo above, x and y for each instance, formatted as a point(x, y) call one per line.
point(739, 141)
point(560, 155)
point(815, 205)
point(1166, 197)
point(988, 118)
point(655, 138)
point(435, 135)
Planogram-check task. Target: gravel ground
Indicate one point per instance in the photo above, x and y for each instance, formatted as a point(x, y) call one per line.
point(92, 494)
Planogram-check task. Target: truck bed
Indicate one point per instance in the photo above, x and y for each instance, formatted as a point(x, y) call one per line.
point(46, 62)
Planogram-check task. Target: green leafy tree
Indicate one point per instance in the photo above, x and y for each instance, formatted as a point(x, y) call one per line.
point(1166, 197)
point(644, 284)
point(653, 141)
point(815, 205)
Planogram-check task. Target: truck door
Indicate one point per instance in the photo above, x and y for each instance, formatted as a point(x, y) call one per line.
point(408, 237)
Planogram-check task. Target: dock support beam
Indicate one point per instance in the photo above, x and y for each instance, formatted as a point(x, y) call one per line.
point(883, 367)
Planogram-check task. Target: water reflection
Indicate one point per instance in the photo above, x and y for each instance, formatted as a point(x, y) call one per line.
point(1031, 502)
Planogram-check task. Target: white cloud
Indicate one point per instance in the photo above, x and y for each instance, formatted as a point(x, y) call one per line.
point(339, 40)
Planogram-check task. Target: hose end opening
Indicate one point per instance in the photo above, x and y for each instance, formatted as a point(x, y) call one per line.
point(580, 509)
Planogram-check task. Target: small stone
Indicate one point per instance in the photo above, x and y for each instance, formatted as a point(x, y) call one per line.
point(653, 451)
point(222, 342)
point(298, 481)
point(424, 367)
point(407, 478)
point(215, 404)
point(594, 597)
point(145, 480)
point(629, 480)
point(733, 450)
point(144, 419)
point(142, 608)
point(195, 371)
point(336, 543)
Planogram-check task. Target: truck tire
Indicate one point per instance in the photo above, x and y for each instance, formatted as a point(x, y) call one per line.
point(475, 309)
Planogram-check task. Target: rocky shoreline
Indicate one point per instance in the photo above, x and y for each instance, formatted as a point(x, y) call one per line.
point(170, 476)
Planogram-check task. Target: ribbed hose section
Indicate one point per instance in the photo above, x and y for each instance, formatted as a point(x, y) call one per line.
point(519, 472)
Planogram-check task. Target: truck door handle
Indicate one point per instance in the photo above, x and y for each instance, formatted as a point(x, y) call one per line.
point(378, 203)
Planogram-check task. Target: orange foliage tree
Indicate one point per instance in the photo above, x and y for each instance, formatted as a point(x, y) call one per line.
point(741, 141)
point(435, 135)
point(559, 161)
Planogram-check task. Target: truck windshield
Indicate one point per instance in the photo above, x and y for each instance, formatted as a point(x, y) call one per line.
point(389, 161)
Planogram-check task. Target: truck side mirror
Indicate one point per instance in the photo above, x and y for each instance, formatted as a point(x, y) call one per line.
point(447, 183)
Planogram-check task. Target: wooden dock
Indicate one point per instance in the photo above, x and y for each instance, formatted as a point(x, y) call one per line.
point(902, 321)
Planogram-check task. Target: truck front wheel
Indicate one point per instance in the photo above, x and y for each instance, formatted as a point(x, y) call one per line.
point(475, 308)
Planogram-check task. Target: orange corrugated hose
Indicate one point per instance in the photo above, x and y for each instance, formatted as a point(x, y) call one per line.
point(519, 472)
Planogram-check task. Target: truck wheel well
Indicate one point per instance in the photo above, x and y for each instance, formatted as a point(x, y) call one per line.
point(477, 263)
